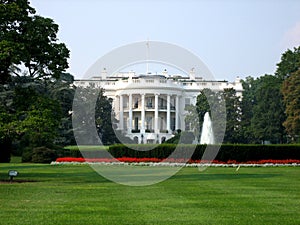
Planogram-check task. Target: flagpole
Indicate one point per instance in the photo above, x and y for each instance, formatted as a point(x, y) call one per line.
point(147, 59)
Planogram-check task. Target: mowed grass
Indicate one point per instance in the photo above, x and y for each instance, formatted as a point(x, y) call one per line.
point(78, 195)
point(87, 147)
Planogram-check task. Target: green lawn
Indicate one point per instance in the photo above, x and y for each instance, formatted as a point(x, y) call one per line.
point(87, 147)
point(78, 195)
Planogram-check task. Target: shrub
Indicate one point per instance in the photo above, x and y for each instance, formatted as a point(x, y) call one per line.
point(27, 154)
point(43, 155)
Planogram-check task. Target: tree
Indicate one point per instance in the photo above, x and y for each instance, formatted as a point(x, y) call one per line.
point(233, 116)
point(288, 72)
point(268, 110)
point(13, 16)
point(291, 93)
point(29, 40)
point(195, 113)
point(40, 124)
point(290, 63)
point(7, 131)
point(63, 90)
point(247, 104)
point(93, 110)
point(213, 103)
point(31, 64)
point(105, 120)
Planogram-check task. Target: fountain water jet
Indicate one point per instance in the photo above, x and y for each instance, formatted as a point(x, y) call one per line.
point(207, 134)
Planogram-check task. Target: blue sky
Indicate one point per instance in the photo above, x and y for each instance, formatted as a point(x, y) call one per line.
point(232, 37)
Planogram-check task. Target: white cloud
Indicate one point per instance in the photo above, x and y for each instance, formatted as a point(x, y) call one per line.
point(291, 38)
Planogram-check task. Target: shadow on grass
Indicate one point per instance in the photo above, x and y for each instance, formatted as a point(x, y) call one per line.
point(16, 181)
point(222, 176)
point(48, 173)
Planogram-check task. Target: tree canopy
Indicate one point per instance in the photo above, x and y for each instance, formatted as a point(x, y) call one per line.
point(288, 70)
point(289, 63)
point(268, 110)
point(291, 93)
point(29, 41)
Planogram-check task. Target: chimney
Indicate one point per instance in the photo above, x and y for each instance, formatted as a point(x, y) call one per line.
point(165, 73)
point(192, 74)
point(104, 74)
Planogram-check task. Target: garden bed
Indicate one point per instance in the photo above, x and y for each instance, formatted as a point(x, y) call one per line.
point(174, 162)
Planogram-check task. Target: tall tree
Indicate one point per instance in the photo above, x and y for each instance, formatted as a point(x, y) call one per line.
point(291, 92)
point(268, 110)
point(14, 14)
point(247, 104)
point(289, 63)
point(288, 72)
point(233, 116)
point(63, 90)
point(30, 58)
point(29, 40)
point(93, 110)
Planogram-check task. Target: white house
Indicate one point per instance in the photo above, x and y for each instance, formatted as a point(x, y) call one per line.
point(151, 107)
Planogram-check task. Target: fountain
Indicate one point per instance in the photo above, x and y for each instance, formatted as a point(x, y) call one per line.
point(207, 134)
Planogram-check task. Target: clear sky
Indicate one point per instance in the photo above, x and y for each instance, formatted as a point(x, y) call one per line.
point(232, 37)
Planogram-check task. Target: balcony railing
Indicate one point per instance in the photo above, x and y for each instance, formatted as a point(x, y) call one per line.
point(135, 131)
point(149, 131)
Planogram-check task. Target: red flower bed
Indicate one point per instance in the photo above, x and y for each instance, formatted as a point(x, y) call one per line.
point(275, 161)
point(138, 160)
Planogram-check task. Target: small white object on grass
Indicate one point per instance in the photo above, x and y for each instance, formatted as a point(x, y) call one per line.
point(237, 169)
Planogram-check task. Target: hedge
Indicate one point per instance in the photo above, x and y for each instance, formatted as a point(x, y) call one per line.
point(237, 152)
point(88, 151)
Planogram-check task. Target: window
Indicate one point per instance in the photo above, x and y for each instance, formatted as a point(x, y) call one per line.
point(173, 121)
point(136, 123)
point(149, 123)
point(162, 104)
point(173, 103)
point(136, 103)
point(149, 102)
point(162, 122)
point(125, 123)
point(187, 102)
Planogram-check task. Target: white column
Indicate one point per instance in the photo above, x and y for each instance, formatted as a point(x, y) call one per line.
point(121, 114)
point(130, 113)
point(156, 130)
point(143, 114)
point(169, 114)
point(177, 113)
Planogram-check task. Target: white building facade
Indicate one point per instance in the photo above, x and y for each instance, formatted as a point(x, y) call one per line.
point(150, 108)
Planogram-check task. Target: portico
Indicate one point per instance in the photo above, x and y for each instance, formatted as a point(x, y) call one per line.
point(149, 116)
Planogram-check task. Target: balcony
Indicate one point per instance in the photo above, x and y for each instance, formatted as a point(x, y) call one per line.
point(149, 106)
point(163, 107)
